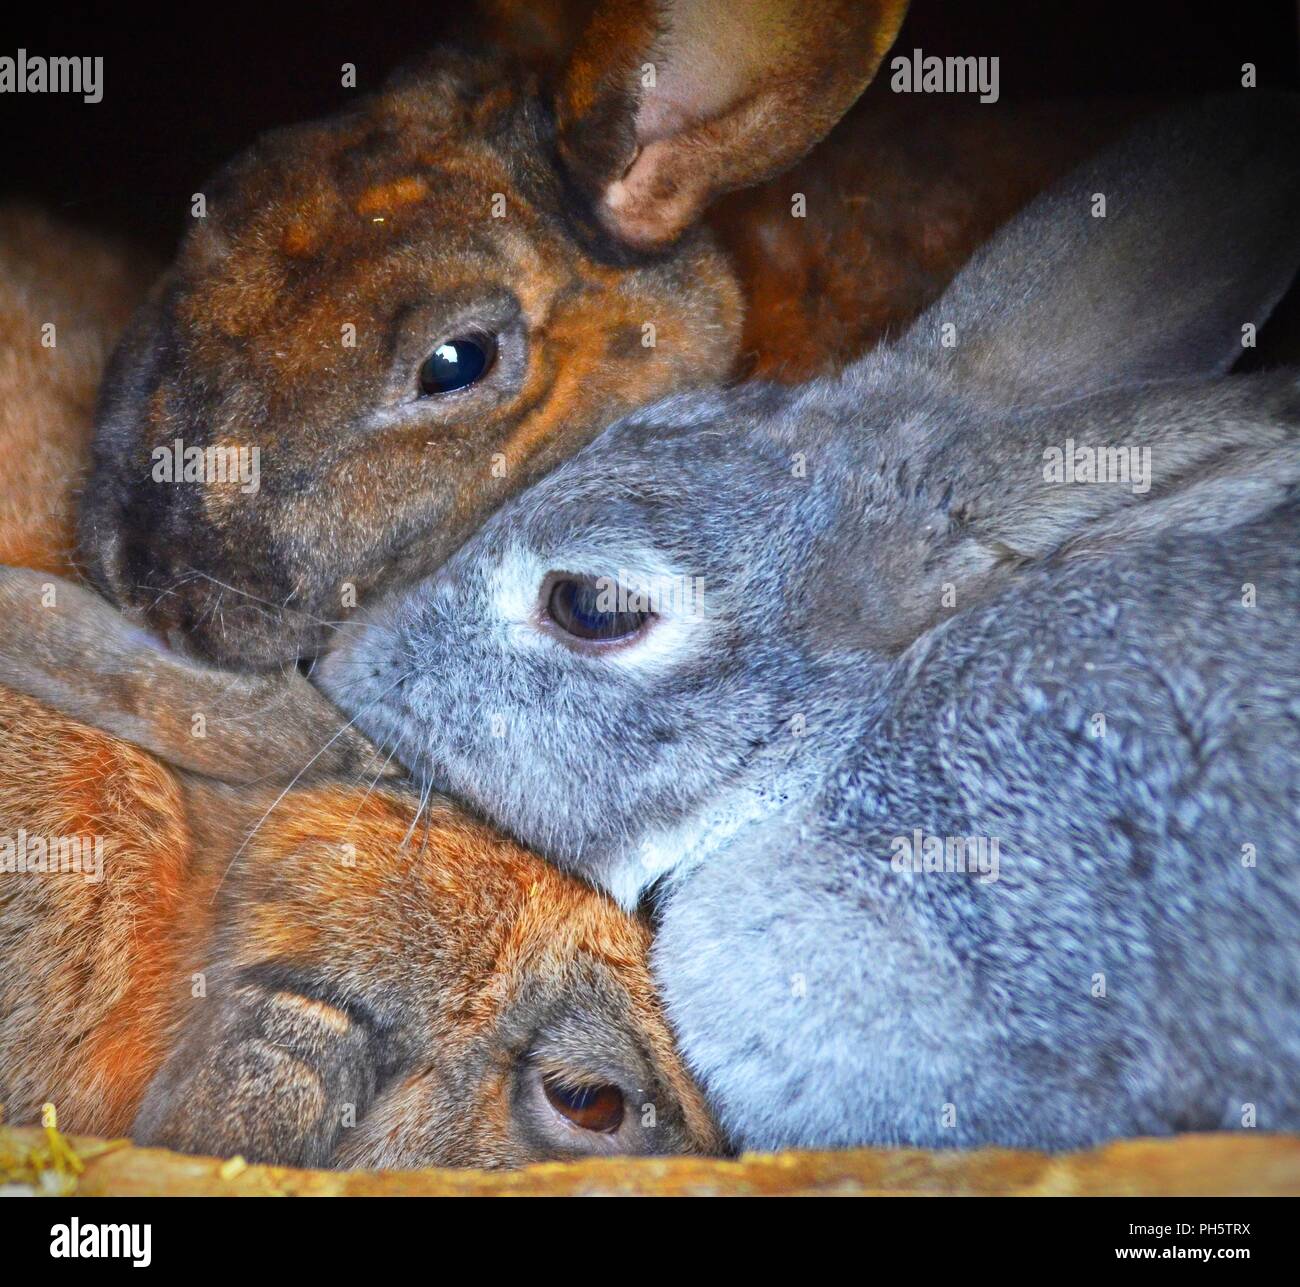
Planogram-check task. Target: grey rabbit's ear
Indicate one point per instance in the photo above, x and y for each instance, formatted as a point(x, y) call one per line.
point(66, 647)
point(1145, 263)
point(666, 104)
point(947, 520)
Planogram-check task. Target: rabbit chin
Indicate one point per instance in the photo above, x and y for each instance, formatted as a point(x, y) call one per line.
point(673, 850)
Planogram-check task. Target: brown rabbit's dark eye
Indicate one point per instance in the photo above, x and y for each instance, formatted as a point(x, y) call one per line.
point(594, 1108)
point(590, 610)
point(456, 364)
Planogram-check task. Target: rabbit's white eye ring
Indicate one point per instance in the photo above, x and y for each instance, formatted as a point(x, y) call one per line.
point(593, 1108)
point(457, 363)
point(592, 610)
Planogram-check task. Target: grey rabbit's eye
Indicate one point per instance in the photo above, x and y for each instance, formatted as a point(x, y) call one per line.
point(594, 1108)
point(592, 611)
point(456, 364)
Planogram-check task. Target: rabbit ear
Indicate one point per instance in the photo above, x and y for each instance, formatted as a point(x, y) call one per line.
point(934, 529)
point(665, 104)
point(65, 646)
point(1146, 263)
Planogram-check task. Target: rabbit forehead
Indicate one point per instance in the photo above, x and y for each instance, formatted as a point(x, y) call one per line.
point(423, 173)
point(502, 959)
point(292, 226)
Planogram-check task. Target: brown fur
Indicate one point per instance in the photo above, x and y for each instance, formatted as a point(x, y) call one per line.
point(341, 503)
point(746, 89)
point(50, 273)
point(382, 219)
point(70, 649)
point(898, 196)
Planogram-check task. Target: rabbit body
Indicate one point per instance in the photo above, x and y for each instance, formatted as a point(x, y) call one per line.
point(914, 633)
point(1131, 968)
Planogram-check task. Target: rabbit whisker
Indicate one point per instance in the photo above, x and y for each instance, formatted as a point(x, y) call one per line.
point(374, 782)
point(415, 822)
point(266, 603)
point(343, 728)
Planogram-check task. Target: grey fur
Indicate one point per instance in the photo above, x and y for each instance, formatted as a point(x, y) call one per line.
point(908, 625)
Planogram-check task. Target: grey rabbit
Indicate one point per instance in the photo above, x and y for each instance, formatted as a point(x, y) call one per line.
point(967, 791)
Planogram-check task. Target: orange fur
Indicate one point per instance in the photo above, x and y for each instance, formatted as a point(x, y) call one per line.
point(106, 969)
point(82, 993)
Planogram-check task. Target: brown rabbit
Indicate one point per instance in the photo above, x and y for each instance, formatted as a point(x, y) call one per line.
point(353, 981)
point(414, 309)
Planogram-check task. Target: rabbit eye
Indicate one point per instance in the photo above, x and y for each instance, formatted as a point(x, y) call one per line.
point(456, 364)
point(591, 611)
point(594, 1108)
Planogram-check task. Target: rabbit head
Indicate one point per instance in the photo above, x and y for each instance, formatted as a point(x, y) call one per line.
point(412, 310)
point(418, 995)
point(386, 981)
point(757, 541)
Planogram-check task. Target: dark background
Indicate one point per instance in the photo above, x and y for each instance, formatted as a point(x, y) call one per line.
point(186, 85)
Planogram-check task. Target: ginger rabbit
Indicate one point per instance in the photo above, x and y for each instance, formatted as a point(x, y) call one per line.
point(323, 974)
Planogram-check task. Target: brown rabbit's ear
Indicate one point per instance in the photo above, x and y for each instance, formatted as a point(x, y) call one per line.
point(66, 647)
point(666, 104)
